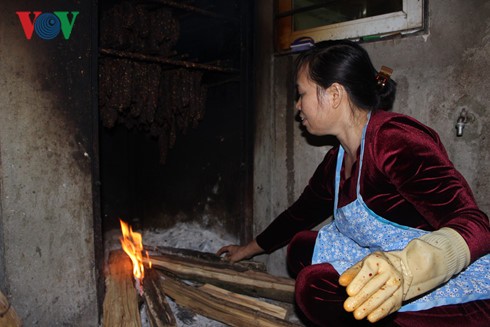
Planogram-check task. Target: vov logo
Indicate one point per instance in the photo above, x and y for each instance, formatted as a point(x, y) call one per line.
point(47, 25)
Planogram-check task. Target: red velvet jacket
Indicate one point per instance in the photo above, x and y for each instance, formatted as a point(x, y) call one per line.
point(406, 178)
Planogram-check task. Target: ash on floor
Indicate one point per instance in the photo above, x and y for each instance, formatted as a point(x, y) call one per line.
point(193, 237)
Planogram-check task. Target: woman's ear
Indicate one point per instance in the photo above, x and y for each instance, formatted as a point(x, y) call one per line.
point(336, 93)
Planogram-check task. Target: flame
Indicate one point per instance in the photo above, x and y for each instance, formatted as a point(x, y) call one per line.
point(132, 244)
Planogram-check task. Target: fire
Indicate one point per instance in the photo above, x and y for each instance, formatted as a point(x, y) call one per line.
point(132, 244)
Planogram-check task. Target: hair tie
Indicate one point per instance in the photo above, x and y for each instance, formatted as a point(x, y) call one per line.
point(383, 76)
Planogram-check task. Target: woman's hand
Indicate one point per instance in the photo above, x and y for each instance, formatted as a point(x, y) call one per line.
point(378, 284)
point(235, 253)
point(374, 286)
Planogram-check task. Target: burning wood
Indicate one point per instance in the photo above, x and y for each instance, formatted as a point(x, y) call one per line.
point(132, 244)
point(227, 303)
point(121, 307)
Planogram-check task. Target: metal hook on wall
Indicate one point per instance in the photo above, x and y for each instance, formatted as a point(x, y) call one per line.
point(465, 117)
point(461, 122)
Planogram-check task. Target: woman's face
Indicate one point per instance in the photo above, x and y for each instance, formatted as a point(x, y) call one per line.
point(314, 106)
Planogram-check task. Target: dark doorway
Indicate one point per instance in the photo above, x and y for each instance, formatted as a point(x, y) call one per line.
point(175, 111)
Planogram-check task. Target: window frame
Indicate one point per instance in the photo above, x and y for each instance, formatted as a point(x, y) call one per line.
point(410, 20)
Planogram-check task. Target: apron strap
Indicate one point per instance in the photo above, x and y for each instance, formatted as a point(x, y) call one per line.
point(340, 159)
point(361, 155)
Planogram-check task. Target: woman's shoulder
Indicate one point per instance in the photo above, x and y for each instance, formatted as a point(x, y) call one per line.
point(379, 117)
point(388, 124)
point(398, 140)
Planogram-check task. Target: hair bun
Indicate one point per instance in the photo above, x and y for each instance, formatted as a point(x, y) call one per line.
point(383, 76)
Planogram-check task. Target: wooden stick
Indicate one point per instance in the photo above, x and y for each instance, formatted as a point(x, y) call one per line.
point(247, 301)
point(216, 308)
point(159, 312)
point(162, 60)
point(233, 278)
point(8, 316)
point(121, 299)
point(206, 258)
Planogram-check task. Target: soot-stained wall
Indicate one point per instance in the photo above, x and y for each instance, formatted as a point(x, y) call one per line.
point(49, 230)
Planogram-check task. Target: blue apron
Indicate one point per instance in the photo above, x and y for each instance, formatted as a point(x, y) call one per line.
point(356, 231)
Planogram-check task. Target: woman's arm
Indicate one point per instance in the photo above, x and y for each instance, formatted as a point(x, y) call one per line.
point(414, 160)
point(313, 206)
point(235, 253)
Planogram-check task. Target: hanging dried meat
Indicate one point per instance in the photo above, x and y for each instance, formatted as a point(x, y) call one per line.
point(137, 94)
point(137, 28)
point(115, 88)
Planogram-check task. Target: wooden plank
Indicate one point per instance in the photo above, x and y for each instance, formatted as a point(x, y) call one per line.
point(159, 312)
point(206, 258)
point(231, 277)
point(120, 308)
point(250, 302)
point(218, 309)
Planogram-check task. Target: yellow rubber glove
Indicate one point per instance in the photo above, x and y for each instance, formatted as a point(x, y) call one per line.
point(378, 284)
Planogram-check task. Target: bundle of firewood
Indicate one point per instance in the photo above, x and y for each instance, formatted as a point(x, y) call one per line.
point(234, 294)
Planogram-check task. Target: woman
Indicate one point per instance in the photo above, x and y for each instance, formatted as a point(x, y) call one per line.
point(407, 241)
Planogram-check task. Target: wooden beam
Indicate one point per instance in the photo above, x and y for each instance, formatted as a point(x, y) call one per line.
point(157, 307)
point(247, 301)
point(120, 306)
point(217, 308)
point(226, 275)
point(206, 258)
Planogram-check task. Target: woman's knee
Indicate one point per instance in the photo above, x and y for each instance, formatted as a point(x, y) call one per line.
point(300, 251)
point(305, 282)
point(320, 297)
point(318, 282)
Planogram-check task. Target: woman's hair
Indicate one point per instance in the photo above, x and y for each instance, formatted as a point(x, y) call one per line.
point(347, 63)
